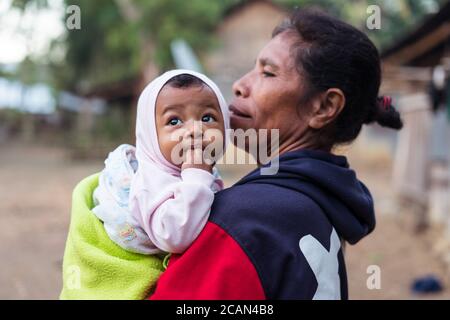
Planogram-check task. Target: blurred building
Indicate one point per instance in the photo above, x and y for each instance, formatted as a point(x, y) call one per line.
point(242, 33)
point(416, 72)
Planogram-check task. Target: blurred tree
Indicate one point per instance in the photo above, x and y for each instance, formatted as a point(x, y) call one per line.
point(123, 39)
point(397, 16)
point(120, 40)
point(22, 4)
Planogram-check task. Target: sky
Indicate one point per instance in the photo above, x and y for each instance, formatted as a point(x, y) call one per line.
point(30, 32)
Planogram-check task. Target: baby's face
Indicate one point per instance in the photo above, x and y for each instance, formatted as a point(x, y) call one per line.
point(187, 113)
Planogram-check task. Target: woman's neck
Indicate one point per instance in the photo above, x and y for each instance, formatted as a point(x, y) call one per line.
point(289, 145)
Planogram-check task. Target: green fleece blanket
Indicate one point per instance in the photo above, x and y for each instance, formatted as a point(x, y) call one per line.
point(94, 267)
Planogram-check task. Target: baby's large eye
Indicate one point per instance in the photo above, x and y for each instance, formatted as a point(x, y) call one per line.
point(174, 122)
point(208, 118)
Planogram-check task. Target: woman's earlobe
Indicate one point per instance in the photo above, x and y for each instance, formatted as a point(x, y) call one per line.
point(327, 108)
point(337, 98)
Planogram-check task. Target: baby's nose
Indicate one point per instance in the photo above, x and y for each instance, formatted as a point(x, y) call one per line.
point(195, 130)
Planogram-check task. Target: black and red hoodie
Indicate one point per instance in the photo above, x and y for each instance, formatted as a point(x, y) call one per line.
point(276, 236)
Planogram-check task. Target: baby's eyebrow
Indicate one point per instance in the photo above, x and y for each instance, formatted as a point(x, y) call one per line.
point(211, 105)
point(172, 107)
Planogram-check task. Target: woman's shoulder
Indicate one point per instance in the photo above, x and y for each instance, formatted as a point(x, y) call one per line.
point(268, 222)
point(256, 204)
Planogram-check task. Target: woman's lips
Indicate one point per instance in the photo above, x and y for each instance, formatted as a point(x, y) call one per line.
point(238, 113)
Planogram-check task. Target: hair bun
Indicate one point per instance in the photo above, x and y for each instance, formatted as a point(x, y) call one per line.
point(387, 115)
point(385, 102)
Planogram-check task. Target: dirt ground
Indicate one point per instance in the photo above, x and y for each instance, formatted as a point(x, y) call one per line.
point(35, 196)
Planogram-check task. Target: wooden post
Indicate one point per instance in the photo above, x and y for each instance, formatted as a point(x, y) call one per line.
point(411, 165)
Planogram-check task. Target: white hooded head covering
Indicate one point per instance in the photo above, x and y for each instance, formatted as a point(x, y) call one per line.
point(154, 170)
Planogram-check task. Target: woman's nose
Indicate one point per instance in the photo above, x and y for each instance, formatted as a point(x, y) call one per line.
point(240, 88)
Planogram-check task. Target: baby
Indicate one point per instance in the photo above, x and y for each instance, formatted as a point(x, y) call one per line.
point(157, 197)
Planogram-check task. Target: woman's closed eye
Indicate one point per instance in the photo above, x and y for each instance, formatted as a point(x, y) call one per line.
point(208, 118)
point(268, 74)
point(174, 121)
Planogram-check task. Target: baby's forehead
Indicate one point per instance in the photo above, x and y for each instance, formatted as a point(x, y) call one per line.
point(200, 94)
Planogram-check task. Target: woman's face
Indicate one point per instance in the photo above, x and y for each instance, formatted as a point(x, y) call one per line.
point(267, 97)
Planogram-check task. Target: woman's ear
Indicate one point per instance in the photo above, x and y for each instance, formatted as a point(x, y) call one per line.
point(326, 108)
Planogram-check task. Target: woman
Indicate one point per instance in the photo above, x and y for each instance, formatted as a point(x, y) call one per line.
point(279, 236)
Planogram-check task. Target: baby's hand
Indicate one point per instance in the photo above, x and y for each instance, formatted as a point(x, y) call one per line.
point(194, 159)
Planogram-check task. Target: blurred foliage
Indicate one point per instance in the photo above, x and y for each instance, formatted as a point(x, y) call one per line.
point(28, 72)
point(397, 16)
point(111, 47)
point(9, 116)
point(22, 4)
point(115, 126)
point(105, 49)
point(119, 38)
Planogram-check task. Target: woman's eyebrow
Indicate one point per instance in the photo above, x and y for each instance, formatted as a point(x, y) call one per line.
point(268, 62)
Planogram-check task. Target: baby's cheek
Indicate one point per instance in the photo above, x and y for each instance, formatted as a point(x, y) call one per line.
point(213, 135)
point(166, 145)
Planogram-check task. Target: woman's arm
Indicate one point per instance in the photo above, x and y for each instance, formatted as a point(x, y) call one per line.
point(215, 267)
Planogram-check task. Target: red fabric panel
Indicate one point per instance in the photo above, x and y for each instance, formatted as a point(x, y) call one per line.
point(214, 267)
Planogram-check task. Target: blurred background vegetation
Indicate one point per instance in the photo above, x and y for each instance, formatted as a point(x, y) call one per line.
point(124, 43)
point(109, 47)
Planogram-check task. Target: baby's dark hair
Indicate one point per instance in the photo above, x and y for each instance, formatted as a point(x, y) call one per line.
point(330, 53)
point(183, 81)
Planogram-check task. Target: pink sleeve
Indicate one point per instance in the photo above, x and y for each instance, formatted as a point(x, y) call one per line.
point(178, 220)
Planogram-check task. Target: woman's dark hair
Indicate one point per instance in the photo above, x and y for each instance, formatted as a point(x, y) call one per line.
point(330, 53)
point(184, 80)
